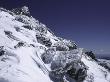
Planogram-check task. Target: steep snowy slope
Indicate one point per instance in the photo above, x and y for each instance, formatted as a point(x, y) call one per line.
point(30, 52)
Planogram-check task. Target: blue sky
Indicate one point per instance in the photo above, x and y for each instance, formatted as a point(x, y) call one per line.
point(87, 22)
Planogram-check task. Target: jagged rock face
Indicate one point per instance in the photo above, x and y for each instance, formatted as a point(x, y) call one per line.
point(91, 54)
point(30, 52)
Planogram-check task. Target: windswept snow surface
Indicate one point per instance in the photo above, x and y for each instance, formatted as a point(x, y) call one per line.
point(18, 64)
point(30, 52)
point(96, 73)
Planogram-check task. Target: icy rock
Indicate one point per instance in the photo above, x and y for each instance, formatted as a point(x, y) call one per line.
point(20, 44)
point(65, 45)
point(48, 56)
point(43, 40)
point(42, 28)
point(28, 27)
point(68, 63)
point(23, 11)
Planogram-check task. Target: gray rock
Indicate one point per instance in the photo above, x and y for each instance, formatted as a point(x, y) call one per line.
point(47, 57)
point(43, 40)
point(65, 45)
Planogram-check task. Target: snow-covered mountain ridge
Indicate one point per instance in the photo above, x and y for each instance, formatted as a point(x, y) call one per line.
point(30, 52)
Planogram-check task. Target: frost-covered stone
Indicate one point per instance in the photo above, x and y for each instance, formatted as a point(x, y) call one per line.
point(21, 11)
point(48, 56)
point(42, 28)
point(28, 27)
point(68, 63)
point(43, 40)
point(65, 45)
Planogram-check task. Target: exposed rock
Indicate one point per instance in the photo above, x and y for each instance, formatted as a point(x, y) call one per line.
point(20, 44)
point(8, 32)
point(43, 40)
point(91, 54)
point(21, 11)
point(27, 27)
point(2, 51)
point(48, 56)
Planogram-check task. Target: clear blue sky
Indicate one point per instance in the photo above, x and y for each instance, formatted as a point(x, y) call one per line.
point(87, 22)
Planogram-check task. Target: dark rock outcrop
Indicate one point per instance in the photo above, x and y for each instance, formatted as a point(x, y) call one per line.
point(2, 51)
point(43, 40)
point(91, 54)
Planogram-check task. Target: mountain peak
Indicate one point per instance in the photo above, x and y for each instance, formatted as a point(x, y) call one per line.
point(21, 11)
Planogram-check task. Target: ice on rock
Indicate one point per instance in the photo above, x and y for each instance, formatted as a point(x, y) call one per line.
point(24, 11)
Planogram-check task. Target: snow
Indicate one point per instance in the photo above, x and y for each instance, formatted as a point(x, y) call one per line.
point(21, 68)
point(25, 68)
point(96, 70)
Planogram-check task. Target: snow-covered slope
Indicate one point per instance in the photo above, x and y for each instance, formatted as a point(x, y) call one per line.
point(30, 52)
